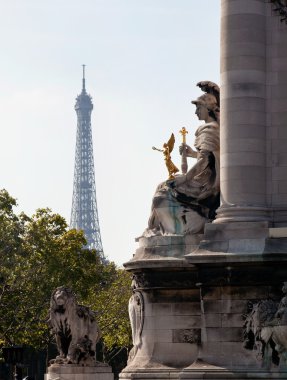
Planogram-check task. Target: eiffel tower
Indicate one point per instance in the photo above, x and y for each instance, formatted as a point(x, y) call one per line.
point(84, 215)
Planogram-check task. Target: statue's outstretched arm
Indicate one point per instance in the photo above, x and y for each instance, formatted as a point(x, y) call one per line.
point(159, 150)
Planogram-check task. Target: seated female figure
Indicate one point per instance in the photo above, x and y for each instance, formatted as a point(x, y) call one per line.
point(184, 204)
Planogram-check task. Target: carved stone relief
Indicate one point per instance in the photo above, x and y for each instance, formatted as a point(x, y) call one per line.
point(266, 328)
point(280, 7)
point(136, 314)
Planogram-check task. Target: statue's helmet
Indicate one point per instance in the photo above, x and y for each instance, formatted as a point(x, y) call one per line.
point(207, 100)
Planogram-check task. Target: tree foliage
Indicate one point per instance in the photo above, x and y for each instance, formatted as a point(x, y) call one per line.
point(37, 255)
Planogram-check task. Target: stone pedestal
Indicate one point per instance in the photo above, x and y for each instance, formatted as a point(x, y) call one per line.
point(75, 372)
point(195, 308)
point(171, 310)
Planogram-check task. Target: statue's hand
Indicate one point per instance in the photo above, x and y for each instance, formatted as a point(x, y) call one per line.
point(181, 148)
point(189, 152)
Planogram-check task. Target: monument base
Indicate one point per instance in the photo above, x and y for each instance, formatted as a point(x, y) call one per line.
point(199, 371)
point(204, 314)
point(151, 374)
point(75, 372)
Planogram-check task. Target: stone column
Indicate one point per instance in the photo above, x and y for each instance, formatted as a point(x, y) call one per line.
point(243, 111)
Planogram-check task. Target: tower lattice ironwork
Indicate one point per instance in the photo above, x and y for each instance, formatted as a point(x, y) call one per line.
point(84, 215)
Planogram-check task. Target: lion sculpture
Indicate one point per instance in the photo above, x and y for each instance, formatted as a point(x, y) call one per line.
point(75, 328)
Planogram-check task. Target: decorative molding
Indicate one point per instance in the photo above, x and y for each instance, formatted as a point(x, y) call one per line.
point(166, 280)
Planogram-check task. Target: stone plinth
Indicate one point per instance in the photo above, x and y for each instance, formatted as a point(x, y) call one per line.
point(165, 247)
point(171, 311)
point(75, 372)
point(228, 289)
point(195, 308)
point(201, 370)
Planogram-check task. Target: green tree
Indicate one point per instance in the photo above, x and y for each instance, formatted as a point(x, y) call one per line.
point(37, 255)
point(112, 304)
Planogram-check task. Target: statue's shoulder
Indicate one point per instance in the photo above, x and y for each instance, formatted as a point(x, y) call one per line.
point(212, 124)
point(202, 128)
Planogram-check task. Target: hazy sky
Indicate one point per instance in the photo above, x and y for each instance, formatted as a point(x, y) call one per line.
point(143, 57)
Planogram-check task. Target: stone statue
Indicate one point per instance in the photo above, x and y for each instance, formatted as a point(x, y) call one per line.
point(136, 319)
point(184, 204)
point(167, 149)
point(266, 328)
point(75, 328)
